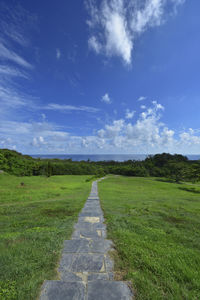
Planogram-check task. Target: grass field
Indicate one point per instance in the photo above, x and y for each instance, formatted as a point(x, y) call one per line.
point(155, 226)
point(35, 219)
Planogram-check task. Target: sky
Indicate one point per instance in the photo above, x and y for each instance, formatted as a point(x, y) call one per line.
point(100, 77)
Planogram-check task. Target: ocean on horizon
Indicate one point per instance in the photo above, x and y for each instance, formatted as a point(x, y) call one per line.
point(102, 157)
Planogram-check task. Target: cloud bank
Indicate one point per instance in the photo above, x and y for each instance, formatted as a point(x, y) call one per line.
point(146, 133)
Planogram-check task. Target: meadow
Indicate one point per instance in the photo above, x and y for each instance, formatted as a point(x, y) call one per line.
point(36, 215)
point(155, 226)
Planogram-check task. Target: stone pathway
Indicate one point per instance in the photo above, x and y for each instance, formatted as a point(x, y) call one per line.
point(85, 267)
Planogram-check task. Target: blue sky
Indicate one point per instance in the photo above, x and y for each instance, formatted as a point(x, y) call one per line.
point(110, 76)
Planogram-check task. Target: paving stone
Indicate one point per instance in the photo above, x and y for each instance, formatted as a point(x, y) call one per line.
point(94, 199)
point(94, 233)
point(90, 226)
point(85, 225)
point(103, 233)
point(69, 276)
point(92, 206)
point(90, 234)
point(92, 210)
point(93, 203)
point(100, 245)
point(91, 219)
point(90, 214)
point(88, 263)
point(59, 290)
point(98, 276)
point(111, 276)
point(109, 265)
point(65, 262)
point(76, 246)
point(111, 290)
point(99, 226)
point(76, 234)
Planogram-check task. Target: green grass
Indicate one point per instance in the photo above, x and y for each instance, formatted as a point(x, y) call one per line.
point(155, 226)
point(35, 219)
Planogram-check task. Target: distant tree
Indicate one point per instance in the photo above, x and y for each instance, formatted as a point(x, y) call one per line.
point(49, 169)
point(194, 172)
point(177, 171)
point(3, 162)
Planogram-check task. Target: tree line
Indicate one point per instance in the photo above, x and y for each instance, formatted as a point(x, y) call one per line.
point(175, 167)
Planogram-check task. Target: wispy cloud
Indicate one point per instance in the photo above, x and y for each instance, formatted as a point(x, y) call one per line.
point(14, 67)
point(115, 24)
point(17, 23)
point(141, 98)
point(58, 54)
point(64, 108)
point(9, 97)
point(8, 71)
point(7, 54)
point(106, 99)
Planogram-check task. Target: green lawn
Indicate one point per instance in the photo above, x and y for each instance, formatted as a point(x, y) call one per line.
point(35, 219)
point(155, 226)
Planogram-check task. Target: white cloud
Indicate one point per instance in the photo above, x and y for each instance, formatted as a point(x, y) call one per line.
point(45, 136)
point(189, 138)
point(130, 114)
point(14, 29)
point(157, 105)
point(148, 16)
point(64, 108)
point(118, 39)
point(17, 23)
point(106, 98)
point(114, 129)
point(12, 99)
point(6, 70)
point(43, 117)
point(143, 106)
point(94, 44)
point(7, 54)
point(115, 24)
point(147, 134)
point(58, 54)
point(141, 98)
point(38, 141)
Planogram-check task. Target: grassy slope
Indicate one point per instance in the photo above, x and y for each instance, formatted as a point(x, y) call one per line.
point(36, 218)
point(156, 229)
